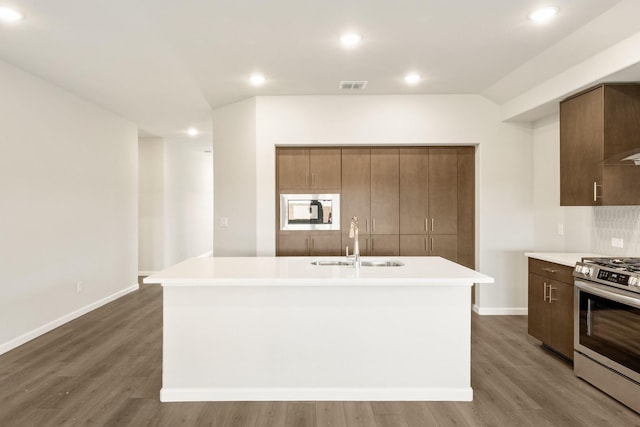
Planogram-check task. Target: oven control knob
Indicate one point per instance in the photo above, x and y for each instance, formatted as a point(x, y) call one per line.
point(584, 269)
point(634, 281)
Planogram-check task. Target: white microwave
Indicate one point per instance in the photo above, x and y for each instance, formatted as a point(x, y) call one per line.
point(310, 212)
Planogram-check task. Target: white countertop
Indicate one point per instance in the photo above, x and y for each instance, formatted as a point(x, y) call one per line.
point(562, 258)
point(298, 271)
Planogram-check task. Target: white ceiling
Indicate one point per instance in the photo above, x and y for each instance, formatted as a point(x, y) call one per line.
point(164, 64)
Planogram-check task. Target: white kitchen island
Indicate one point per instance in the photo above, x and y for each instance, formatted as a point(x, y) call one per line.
point(277, 328)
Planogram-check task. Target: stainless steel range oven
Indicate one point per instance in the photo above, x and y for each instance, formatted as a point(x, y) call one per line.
point(607, 326)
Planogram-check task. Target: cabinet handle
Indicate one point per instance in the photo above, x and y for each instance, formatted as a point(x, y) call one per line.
point(373, 244)
point(549, 270)
point(426, 250)
point(346, 251)
point(551, 289)
point(312, 243)
point(431, 244)
point(426, 224)
point(431, 224)
point(307, 242)
point(366, 224)
point(595, 191)
point(544, 296)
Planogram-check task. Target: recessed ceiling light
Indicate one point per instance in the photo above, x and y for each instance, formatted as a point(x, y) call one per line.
point(193, 132)
point(350, 39)
point(257, 79)
point(10, 15)
point(412, 79)
point(543, 15)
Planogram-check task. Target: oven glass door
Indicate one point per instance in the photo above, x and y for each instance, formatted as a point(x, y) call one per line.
point(609, 328)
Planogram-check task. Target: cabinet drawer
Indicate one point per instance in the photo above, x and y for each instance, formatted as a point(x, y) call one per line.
point(551, 270)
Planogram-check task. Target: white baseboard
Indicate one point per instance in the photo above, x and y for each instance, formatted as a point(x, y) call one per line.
point(501, 311)
point(462, 394)
point(16, 342)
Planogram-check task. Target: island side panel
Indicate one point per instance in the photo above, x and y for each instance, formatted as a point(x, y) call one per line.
point(316, 343)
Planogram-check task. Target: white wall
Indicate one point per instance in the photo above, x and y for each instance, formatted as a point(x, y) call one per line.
point(235, 186)
point(586, 229)
point(151, 205)
point(188, 201)
point(68, 211)
point(176, 202)
point(504, 166)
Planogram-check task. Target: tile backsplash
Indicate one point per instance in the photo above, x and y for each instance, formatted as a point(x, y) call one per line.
point(620, 222)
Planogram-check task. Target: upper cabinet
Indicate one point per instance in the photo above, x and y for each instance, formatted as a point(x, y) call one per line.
point(309, 169)
point(598, 128)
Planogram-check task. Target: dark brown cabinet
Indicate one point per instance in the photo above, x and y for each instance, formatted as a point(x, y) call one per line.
point(598, 128)
point(550, 317)
point(437, 203)
point(370, 191)
point(410, 201)
point(296, 243)
point(309, 169)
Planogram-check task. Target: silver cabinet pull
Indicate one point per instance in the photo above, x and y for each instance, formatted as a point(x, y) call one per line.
point(431, 224)
point(549, 270)
point(426, 224)
point(346, 251)
point(366, 224)
point(544, 296)
point(432, 244)
point(595, 191)
point(551, 288)
point(373, 229)
point(426, 250)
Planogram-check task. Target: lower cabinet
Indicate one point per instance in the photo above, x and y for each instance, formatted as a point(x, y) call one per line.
point(551, 306)
point(300, 243)
point(374, 244)
point(444, 245)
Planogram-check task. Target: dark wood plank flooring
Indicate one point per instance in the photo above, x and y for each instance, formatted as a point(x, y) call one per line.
point(104, 369)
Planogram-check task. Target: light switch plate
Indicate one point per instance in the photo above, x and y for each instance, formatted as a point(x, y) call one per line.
point(224, 221)
point(560, 229)
point(617, 242)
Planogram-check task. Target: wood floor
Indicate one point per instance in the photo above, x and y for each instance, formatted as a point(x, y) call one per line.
point(105, 369)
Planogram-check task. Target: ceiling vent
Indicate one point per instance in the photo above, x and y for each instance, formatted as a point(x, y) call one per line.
point(353, 84)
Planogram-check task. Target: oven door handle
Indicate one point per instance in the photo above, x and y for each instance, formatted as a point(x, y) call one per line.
point(614, 296)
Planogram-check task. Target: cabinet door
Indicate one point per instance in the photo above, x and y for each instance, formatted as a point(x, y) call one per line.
point(325, 169)
point(383, 245)
point(356, 188)
point(445, 245)
point(581, 149)
point(324, 244)
point(538, 308)
point(363, 242)
point(466, 207)
point(293, 169)
point(561, 315)
point(414, 245)
point(414, 193)
point(443, 190)
point(385, 191)
point(293, 244)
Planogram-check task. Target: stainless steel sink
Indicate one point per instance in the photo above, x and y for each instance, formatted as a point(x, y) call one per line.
point(367, 263)
point(381, 263)
point(330, 262)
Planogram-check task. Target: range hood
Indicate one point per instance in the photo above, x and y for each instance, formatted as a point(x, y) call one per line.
point(634, 157)
point(626, 158)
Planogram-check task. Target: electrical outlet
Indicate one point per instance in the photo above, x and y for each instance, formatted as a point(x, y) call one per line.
point(79, 286)
point(617, 242)
point(560, 229)
point(224, 222)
